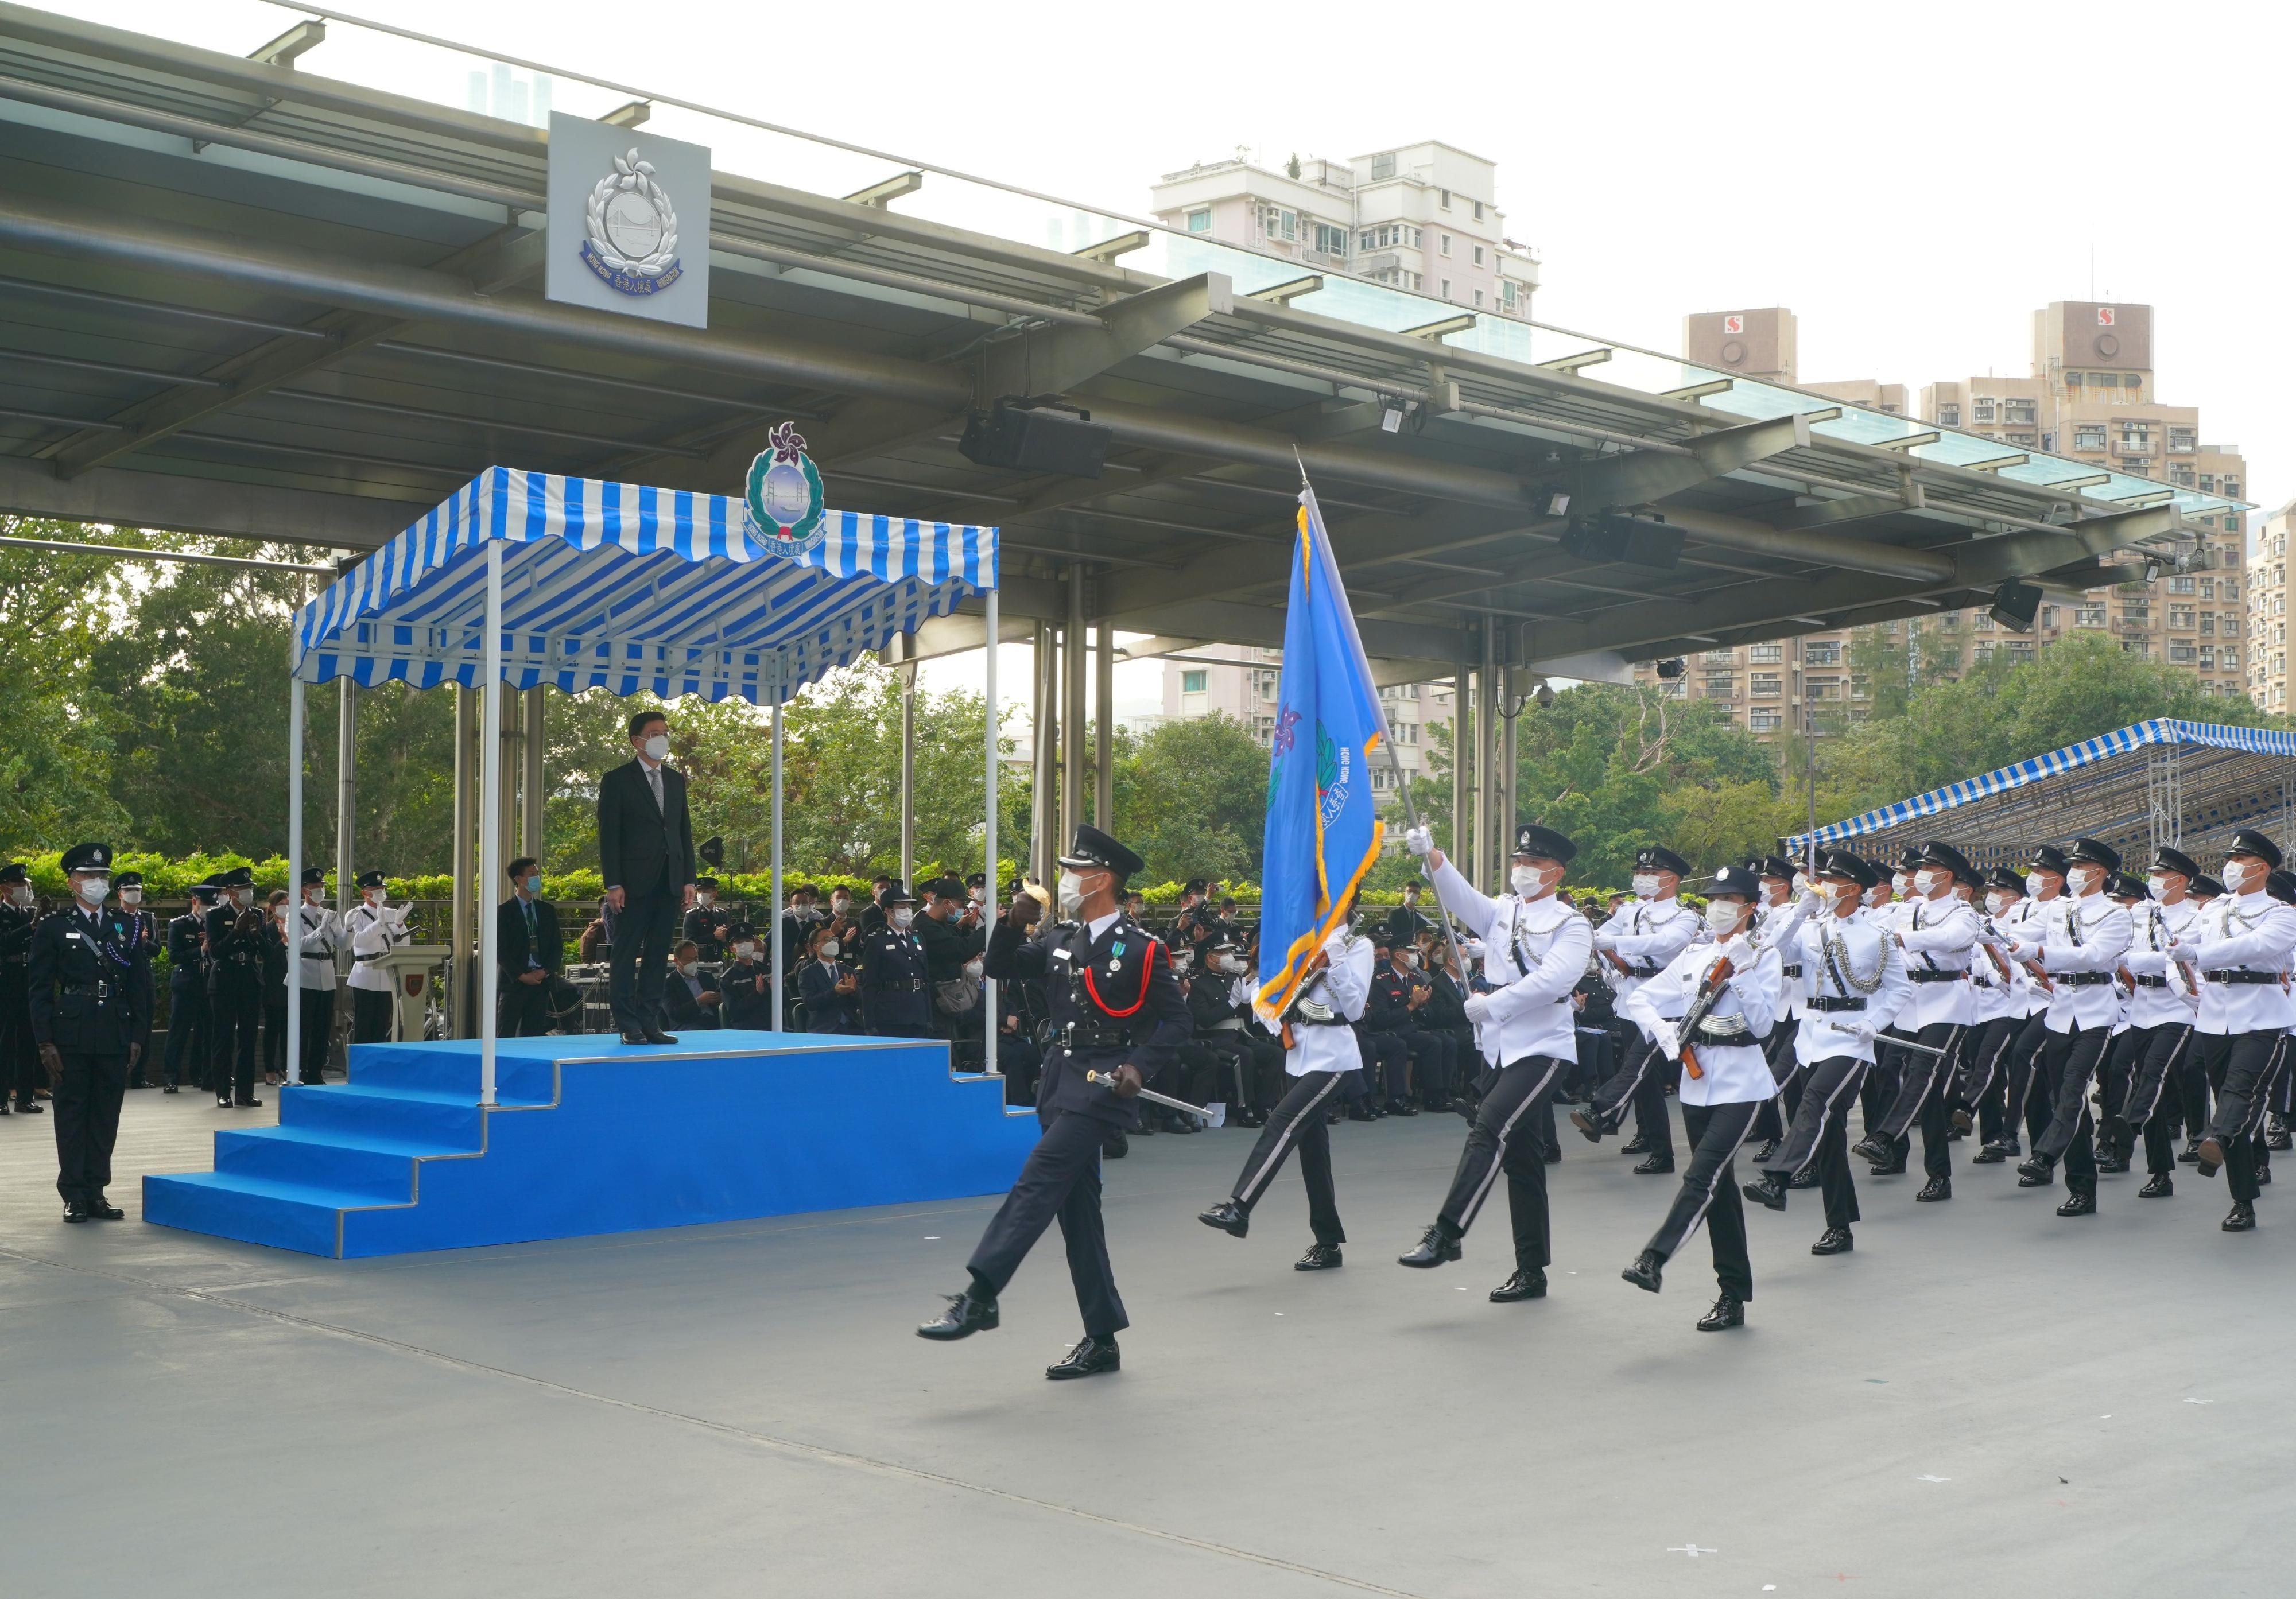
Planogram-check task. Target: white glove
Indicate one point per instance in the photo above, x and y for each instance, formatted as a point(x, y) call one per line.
point(1337, 941)
point(1861, 1032)
point(1603, 941)
point(1478, 1008)
point(1668, 1045)
point(1418, 840)
point(1472, 948)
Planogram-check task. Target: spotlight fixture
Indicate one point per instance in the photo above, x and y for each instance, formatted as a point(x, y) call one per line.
point(1670, 668)
point(1029, 435)
point(2015, 605)
point(1558, 505)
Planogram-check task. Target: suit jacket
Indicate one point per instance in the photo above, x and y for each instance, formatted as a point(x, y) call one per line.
point(642, 850)
point(510, 947)
point(686, 1011)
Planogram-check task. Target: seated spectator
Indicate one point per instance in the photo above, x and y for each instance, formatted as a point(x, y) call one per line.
point(597, 941)
point(747, 983)
point(689, 996)
point(829, 996)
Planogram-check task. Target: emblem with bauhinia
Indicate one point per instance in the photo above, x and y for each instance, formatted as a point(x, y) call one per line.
point(783, 492)
point(632, 225)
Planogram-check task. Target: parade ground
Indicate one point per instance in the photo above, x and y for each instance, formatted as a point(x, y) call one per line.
point(1982, 1399)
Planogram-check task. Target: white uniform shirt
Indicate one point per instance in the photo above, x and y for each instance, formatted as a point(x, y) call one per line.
point(1534, 951)
point(2172, 1000)
point(1732, 1074)
point(2017, 921)
point(1344, 985)
point(373, 932)
point(322, 936)
point(2089, 934)
point(1840, 958)
point(1645, 934)
point(1937, 936)
point(1776, 927)
point(2253, 933)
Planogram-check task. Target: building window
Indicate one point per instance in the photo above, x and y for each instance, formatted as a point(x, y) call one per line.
point(2180, 619)
point(2089, 438)
point(2135, 439)
point(1443, 243)
point(1199, 220)
point(2183, 441)
point(2088, 616)
point(2019, 411)
point(1822, 654)
point(1406, 734)
point(1479, 296)
point(1191, 683)
point(1381, 777)
point(1719, 657)
point(2180, 586)
point(1948, 417)
point(1766, 686)
point(1446, 288)
point(1766, 655)
point(1479, 210)
point(1383, 167)
point(2207, 658)
point(1980, 410)
point(1764, 721)
point(1823, 688)
point(1443, 198)
point(1331, 241)
point(1721, 688)
point(1982, 621)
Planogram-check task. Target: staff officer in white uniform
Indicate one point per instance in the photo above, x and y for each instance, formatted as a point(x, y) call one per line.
point(2163, 1001)
point(1854, 985)
point(318, 934)
point(1534, 951)
point(375, 930)
point(1634, 945)
point(1725, 1078)
point(2240, 944)
point(1319, 1050)
point(1937, 930)
point(2079, 946)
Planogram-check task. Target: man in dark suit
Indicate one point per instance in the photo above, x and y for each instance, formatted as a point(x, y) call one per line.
point(646, 849)
point(88, 1009)
point(692, 994)
point(529, 954)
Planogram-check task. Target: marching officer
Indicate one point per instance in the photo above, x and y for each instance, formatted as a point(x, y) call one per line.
point(896, 999)
point(234, 944)
point(20, 1062)
point(188, 988)
point(2162, 1002)
point(143, 930)
point(375, 931)
point(1638, 941)
point(706, 923)
point(1938, 931)
point(88, 1012)
point(1116, 1012)
point(318, 933)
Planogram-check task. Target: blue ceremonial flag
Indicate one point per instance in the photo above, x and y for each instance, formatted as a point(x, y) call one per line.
point(1324, 830)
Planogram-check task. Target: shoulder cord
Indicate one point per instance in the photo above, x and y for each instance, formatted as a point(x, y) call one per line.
point(2072, 923)
point(1838, 962)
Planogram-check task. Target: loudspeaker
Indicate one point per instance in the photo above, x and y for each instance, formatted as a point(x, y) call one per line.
point(2016, 604)
point(1626, 539)
point(1034, 440)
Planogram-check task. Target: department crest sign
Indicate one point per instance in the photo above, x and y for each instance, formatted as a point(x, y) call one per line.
point(627, 221)
point(633, 229)
point(783, 496)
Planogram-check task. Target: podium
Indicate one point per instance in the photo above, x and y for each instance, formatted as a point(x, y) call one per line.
point(409, 967)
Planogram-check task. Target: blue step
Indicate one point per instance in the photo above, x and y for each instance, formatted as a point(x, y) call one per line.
point(730, 1126)
point(287, 1216)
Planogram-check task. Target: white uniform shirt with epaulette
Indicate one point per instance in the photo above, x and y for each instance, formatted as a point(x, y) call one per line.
point(322, 934)
point(2020, 920)
point(1996, 984)
point(2163, 995)
point(2245, 932)
point(1937, 936)
point(1645, 934)
point(375, 931)
point(1732, 1072)
point(1534, 951)
point(1343, 985)
point(2088, 935)
point(1777, 927)
point(1848, 958)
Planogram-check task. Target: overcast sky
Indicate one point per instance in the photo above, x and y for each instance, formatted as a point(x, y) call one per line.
point(1914, 182)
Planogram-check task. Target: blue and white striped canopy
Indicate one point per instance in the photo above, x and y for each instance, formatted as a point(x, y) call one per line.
point(624, 587)
point(2074, 812)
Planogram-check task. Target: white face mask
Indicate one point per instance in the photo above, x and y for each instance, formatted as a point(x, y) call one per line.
point(1898, 883)
point(1072, 895)
point(1647, 885)
point(973, 969)
point(2080, 880)
point(92, 889)
point(375, 895)
point(315, 895)
point(1411, 959)
point(243, 898)
point(1722, 916)
point(1527, 880)
point(705, 897)
point(978, 896)
point(1999, 901)
point(690, 968)
point(1926, 883)
point(131, 895)
point(2236, 876)
point(2158, 883)
point(2035, 883)
point(745, 952)
point(903, 917)
point(828, 949)
point(22, 893)
point(840, 904)
point(1800, 884)
point(657, 747)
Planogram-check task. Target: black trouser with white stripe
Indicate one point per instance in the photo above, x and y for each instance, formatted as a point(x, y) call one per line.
point(1298, 1122)
point(1981, 1075)
point(1500, 1140)
point(1923, 1082)
point(2072, 1060)
point(2240, 1067)
point(2029, 1097)
point(1778, 1050)
point(1710, 1193)
point(1820, 1132)
point(1641, 1082)
point(2152, 1103)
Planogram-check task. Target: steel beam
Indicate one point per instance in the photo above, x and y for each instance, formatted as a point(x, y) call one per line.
point(186, 504)
point(1055, 360)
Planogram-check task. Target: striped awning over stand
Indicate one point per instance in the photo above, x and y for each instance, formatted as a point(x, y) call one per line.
point(629, 588)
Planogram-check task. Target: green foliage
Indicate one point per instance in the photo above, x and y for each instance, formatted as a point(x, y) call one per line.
point(1192, 799)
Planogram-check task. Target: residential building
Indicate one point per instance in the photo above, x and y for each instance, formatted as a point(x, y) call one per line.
point(1421, 217)
point(2267, 609)
point(2090, 397)
point(1242, 683)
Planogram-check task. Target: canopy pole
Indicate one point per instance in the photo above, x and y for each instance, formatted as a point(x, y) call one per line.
point(1072, 658)
point(458, 986)
point(1459, 754)
point(346, 806)
point(1043, 822)
point(490, 817)
point(908, 671)
point(533, 792)
point(991, 902)
point(780, 955)
point(1486, 746)
point(295, 878)
point(1103, 737)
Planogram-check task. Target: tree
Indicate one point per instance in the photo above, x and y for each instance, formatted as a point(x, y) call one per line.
point(56, 775)
point(1192, 799)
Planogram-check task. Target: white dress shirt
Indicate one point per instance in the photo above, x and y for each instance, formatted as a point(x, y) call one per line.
point(2089, 934)
point(374, 929)
point(322, 936)
point(2171, 1000)
point(1344, 985)
point(2252, 932)
point(1777, 927)
point(1848, 958)
point(1730, 1074)
point(1937, 935)
point(1534, 951)
point(1645, 934)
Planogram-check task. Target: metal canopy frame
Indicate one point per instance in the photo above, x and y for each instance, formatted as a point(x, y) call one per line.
point(249, 299)
point(2188, 785)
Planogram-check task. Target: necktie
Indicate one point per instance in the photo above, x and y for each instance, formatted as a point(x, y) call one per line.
point(654, 781)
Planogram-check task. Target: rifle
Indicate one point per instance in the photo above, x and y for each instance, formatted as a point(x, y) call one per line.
point(1709, 989)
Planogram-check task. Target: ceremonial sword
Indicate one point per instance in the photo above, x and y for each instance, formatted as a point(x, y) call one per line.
point(1152, 1096)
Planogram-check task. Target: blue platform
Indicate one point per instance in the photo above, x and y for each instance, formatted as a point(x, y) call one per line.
point(592, 1135)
